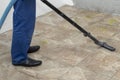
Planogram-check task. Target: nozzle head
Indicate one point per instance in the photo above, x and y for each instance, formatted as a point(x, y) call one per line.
point(106, 46)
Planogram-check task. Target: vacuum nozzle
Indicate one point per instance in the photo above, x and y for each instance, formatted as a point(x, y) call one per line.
point(106, 46)
point(87, 34)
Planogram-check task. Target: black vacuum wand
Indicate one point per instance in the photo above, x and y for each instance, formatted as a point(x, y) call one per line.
point(86, 34)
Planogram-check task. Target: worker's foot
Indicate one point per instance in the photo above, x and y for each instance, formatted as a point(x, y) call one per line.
point(29, 63)
point(33, 49)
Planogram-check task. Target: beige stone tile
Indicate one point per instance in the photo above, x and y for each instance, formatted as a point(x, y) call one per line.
point(116, 76)
point(4, 49)
point(102, 30)
point(102, 65)
point(74, 73)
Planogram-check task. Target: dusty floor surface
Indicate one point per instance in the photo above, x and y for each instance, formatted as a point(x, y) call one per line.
point(65, 52)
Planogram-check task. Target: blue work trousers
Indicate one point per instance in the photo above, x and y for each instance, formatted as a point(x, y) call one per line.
point(23, 27)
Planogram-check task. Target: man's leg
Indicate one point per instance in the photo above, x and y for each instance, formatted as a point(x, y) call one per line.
point(23, 28)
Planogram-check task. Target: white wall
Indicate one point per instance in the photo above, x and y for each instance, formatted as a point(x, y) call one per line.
point(41, 9)
point(8, 23)
point(107, 6)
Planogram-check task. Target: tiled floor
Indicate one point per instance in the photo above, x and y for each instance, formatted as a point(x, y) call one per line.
point(65, 52)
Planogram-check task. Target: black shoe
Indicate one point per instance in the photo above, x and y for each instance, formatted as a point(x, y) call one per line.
point(29, 63)
point(33, 49)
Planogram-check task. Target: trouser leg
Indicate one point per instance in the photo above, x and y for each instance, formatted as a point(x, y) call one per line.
point(23, 28)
